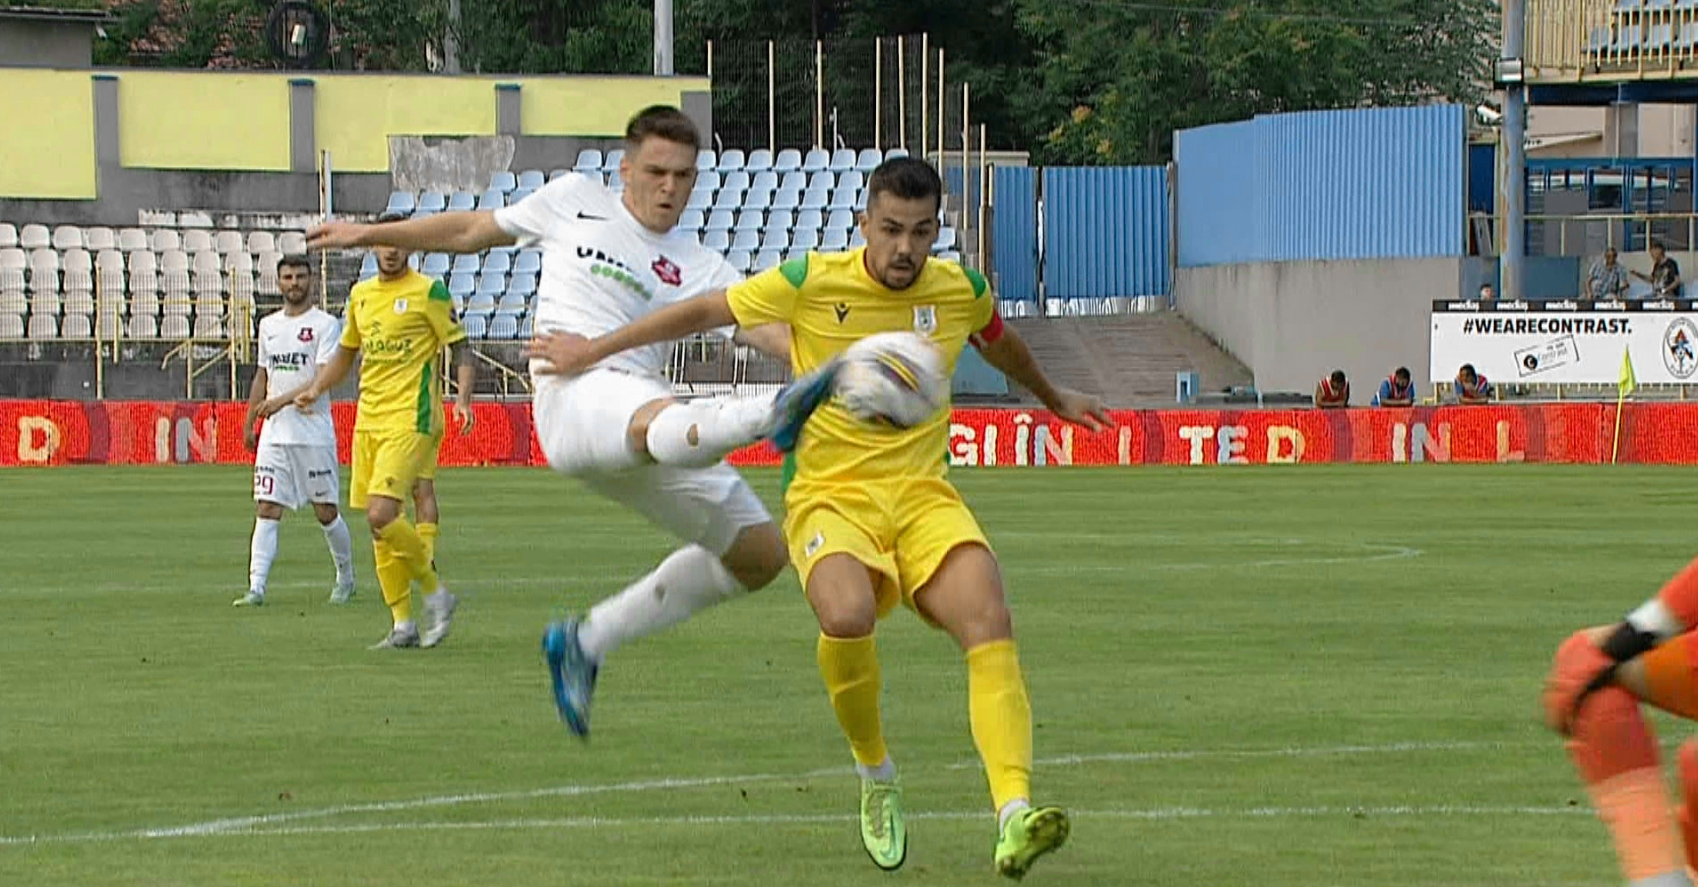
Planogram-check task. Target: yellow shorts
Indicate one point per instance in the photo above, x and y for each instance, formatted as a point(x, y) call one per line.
point(899, 529)
point(427, 471)
point(386, 463)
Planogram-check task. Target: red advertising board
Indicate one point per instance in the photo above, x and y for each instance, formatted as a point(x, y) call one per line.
point(41, 432)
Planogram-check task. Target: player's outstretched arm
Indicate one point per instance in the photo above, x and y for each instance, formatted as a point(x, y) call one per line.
point(328, 376)
point(465, 382)
point(1009, 354)
point(771, 339)
point(568, 355)
point(456, 232)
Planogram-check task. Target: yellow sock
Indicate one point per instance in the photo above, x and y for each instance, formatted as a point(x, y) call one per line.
point(428, 533)
point(1002, 720)
point(849, 668)
point(410, 548)
point(395, 580)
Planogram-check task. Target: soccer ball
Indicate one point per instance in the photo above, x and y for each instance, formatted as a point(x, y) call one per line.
point(897, 379)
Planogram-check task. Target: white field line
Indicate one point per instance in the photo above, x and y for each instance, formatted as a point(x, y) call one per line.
point(278, 822)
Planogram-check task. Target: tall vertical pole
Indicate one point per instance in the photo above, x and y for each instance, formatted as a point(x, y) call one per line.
point(710, 61)
point(878, 93)
point(1513, 190)
point(940, 105)
point(663, 38)
point(771, 98)
point(984, 199)
point(451, 40)
point(925, 94)
point(819, 93)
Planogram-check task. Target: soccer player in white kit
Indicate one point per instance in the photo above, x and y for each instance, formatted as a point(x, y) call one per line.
point(295, 454)
point(608, 260)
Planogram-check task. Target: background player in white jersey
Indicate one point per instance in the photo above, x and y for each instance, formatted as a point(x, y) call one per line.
point(608, 260)
point(295, 459)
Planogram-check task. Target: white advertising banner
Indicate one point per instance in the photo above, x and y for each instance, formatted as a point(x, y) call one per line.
point(1566, 342)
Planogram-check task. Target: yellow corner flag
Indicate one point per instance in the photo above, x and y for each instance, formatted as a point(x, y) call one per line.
point(1628, 380)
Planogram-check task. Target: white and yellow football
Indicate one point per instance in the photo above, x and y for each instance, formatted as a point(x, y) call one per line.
point(897, 379)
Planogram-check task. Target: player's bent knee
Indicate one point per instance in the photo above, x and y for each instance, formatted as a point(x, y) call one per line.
point(381, 511)
point(840, 590)
point(326, 514)
point(269, 510)
point(757, 556)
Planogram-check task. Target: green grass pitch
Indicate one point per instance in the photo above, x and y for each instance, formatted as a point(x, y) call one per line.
point(1295, 676)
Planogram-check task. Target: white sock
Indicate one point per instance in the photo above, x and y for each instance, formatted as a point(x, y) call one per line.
point(407, 627)
point(1009, 810)
point(699, 433)
point(884, 772)
point(261, 554)
point(341, 549)
point(690, 580)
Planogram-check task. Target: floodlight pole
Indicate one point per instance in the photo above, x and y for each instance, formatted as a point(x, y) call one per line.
point(663, 38)
point(1512, 194)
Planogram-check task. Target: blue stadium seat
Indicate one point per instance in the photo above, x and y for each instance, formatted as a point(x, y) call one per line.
point(950, 255)
point(615, 183)
point(740, 260)
point(787, 160)
point(492, 199)
point(706, 160)
point(466, 264)
point(816, 160)
point(813, 199)
point(588, 159)
point(692, 220)
point(856, 239)
point(1659, 37)
point(824, 180)
point(894, 153)
point(775, 238)
point(843, 199)
point(794, 180)
point(368, 266)
point(728, 199)
point(805, 239)
point(731, 159)
point(462, 285)
point(435, 264)
point(504, 325)
point(751, 220)
point(759, 159)
point(945, 239)
point(708, 178)
point(766, 179)
point(840, 220)
point(781, 218)
point(610, 163)
point(480, 303)
point(767, 258)
point(492, 283)
point(786, 199)
point(475, 324)
point(1688, 38)
point(532, 179)
point(498, 261)
point(868, 160)
point(511, 303)
point(746, 240)
point(432, 201)
point(851, 179)
point(401, 202)
point(834, 240)
point(842, 160)
point(795, 253)
point(757, 198)
point(527, 327)
point(528, 261)
point(518, 195)
point(503, 181)
point(736, 181)
point(719, 220)
point(699, 199)
point(461, 201)
point(717, 240)
point(809, 218)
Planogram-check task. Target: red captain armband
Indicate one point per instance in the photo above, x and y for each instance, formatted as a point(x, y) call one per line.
point(988, 336)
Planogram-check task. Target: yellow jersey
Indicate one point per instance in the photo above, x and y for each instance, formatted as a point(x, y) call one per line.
point(401, 326)
point(830, 300)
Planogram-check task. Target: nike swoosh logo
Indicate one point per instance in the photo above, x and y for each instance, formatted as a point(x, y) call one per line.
point(585, 215)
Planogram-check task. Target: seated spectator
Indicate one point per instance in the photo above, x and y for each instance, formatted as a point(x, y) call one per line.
point(1665, 274)
point(1333, 392)
point(1606, 280)
point(1488, 292)
point(1397, 390)
point(1471, 387)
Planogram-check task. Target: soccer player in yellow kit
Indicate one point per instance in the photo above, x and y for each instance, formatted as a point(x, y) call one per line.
point(871, 520)
point(400, 320)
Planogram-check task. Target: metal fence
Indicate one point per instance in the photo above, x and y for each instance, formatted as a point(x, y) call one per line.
point(1575, 40)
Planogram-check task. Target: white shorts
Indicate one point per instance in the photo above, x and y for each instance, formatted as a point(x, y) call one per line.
point(292, 475)
point(581, 424)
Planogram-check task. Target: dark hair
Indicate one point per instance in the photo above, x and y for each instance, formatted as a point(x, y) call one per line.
point(663, 122)
point(906, 177)
point(1467, 370)
point(294, 261)
point(1658, 244)
point(1337, 377)
point(391, 217)
point(1402, 373)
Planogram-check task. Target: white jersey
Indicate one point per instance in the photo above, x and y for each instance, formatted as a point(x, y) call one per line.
point(290, 351)
point(601, 269)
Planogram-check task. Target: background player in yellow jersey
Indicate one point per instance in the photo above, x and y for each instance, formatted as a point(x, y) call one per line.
point(400, 320)
point(871, 520)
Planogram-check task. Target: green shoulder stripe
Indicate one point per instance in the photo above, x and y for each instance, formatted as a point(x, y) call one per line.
point(438, 292)
point(977, 280)
point(795, 270)
point(787, 473)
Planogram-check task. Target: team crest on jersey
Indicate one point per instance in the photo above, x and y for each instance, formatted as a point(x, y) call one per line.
point(667, 271)
point(925, 319)
point(400, 306)
point(305, 335)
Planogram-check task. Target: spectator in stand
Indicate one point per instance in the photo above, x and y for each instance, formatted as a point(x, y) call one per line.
point(1606, 280)
point(1488, 293)
point(1665, 274)
point(1332, 392)
point(1471, 387)
point(1398, 390)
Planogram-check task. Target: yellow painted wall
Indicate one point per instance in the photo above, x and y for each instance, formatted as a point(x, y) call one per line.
point(595, 106)
point(355, 115)
point(171, 120)
point(47, 134)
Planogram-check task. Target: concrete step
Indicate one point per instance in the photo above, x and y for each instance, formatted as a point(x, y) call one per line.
point(1131, 360)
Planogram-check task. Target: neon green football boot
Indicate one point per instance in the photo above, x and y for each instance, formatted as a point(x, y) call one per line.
point(1029, 834)
point(882, 830)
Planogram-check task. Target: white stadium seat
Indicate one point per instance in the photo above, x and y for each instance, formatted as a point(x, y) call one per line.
point(292, 242)
point(11, 326)
point(227, 242)
point(175, 326)
point(197, 241)
point(34, 237)
point(133, 239)
point(143, 326)
point(67, 237)
point(8, 235)
point(97, 239)
point(43, 326)
point(166, 240)
point(76, 326)
point(261, 242)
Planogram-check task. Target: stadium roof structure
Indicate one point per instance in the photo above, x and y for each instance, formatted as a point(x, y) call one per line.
point(92, 14)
